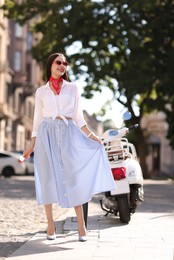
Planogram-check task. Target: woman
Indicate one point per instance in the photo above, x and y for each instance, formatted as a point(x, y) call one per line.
point(70, 161)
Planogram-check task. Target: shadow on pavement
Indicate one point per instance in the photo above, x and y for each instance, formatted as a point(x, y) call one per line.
point(17, 187)
point(158, 197)
point(7, 248)
point(41, 246)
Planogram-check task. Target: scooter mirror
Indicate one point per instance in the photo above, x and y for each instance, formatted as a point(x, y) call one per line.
point(127, 115)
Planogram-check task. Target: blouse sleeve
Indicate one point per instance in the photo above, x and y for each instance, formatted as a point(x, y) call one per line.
point(78, 112)
point(38, 116)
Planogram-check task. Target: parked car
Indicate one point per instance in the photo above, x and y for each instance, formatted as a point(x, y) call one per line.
point(11, 163)
point(28, 162)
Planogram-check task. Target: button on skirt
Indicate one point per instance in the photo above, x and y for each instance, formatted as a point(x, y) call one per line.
point(69, 167)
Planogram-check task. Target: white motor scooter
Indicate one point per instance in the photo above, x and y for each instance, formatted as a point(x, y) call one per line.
point(126, 172)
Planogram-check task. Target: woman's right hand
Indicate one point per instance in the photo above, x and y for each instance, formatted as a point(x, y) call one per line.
point(28, 150)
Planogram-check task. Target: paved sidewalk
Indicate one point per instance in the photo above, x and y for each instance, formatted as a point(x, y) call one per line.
point(149, 236)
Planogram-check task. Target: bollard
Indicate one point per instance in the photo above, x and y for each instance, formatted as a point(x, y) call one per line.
point(85, 213)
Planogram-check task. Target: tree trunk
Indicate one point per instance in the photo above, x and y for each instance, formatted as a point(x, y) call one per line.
point(142, 152)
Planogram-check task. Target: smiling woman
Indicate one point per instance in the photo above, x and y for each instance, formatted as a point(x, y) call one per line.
point(70, 161)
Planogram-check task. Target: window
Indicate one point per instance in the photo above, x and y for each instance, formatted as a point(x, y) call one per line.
point(29, 108)
point(28, 69)
point(18, 100)
point(18, 30)
point(28, 135)
point(2, 155)
point(29, 40)
point(17, 61)
point(9, 94)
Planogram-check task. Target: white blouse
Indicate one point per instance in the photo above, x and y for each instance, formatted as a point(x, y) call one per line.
point(49, 105)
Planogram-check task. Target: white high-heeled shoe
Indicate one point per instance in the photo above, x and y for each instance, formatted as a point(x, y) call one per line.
point(83, 238)
point(53, 236)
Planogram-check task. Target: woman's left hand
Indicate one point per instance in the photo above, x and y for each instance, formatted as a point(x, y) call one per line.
point(96, 138)
point(90, 134)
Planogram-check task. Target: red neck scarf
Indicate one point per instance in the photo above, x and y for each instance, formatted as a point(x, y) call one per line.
point(56, 83)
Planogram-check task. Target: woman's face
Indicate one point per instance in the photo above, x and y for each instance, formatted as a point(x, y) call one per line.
point(58, 67)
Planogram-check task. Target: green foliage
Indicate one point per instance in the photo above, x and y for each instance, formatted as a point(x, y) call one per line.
point(129, 41)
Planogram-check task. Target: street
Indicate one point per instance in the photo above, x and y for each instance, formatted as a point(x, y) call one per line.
point(150, 228)
point(20, 217)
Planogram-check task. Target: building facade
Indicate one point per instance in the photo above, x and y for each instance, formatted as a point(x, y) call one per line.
point(95, 125)
point(20, 75)
point(5, 80)
point(159, 153)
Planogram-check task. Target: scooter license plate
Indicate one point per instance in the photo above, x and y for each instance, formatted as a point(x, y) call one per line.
point(122, 187)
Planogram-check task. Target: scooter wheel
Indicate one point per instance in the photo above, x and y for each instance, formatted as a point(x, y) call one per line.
point(123, 209)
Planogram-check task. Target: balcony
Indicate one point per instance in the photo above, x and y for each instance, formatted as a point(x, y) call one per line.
point(7, 112)
point(4, 67)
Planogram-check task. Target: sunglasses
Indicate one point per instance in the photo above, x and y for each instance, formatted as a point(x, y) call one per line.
point(64, 63)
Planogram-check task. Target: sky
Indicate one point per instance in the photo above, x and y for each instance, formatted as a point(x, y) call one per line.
point(95, 104)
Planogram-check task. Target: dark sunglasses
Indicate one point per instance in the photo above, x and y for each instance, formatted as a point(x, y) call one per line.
point(58, 62)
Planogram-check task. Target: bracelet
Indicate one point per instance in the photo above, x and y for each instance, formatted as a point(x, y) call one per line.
point(89, 134)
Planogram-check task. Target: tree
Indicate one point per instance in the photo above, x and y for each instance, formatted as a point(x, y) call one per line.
point(129, 41)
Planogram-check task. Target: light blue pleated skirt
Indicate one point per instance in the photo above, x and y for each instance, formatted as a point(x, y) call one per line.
point(69, 166)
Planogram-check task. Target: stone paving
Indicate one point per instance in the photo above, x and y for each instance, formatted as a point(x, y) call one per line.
point(149, 235)
point(20, 217)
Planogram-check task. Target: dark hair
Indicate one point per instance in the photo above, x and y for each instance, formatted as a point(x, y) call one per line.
point(50, 60)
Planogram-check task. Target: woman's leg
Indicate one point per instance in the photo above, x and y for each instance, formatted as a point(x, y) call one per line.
point(49, 216)
point(80, 221)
